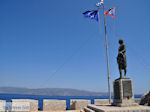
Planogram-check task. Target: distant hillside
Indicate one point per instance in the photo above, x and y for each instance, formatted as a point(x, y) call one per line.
point(50, 91)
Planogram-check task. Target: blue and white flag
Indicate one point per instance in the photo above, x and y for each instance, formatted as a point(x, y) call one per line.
point(91, 14)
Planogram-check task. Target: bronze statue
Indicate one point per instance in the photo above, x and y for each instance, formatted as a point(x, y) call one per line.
point(121, 58)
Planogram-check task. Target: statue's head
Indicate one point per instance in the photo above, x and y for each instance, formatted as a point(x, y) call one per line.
point(120, 41)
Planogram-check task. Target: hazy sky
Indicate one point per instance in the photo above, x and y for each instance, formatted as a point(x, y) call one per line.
point(49, 44)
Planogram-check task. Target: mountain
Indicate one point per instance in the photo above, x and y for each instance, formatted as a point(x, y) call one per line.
point(50, 91)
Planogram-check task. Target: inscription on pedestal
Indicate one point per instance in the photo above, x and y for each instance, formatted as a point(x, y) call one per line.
point(117, 90)
point(127, 89)
point(123, 93)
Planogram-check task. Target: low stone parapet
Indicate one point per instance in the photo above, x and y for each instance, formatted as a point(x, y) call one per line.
point(101, 101)
point(78, 104)
point(2, 105)
point(24, 105)
point(51, 105)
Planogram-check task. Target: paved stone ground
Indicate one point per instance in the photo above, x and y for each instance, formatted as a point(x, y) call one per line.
point(62, 111)
point(121, 109)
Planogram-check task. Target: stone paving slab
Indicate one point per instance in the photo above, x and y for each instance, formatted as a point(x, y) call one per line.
point(101, 101)
point(110, 108)
point(62, 111)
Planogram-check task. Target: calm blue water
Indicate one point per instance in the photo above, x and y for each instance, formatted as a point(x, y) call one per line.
point(40, 98)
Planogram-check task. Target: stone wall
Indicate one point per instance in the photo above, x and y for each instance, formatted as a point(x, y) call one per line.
point(77, 104)
point(2, 105)
point(50, 105)
point(24, 105)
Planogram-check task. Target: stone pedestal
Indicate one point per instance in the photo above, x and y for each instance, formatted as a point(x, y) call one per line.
point(123, 93)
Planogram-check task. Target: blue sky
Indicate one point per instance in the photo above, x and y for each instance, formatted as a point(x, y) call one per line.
point(49, 44)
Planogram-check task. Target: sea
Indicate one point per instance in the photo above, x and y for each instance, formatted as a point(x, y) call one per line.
point(40, 98)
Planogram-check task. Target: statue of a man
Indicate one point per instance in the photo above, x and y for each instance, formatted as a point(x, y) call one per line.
point(121, 58)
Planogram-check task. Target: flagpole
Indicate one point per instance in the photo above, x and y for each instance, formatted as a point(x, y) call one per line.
point(108, 73)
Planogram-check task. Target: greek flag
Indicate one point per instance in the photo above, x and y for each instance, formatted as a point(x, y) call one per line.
point(91, 14)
